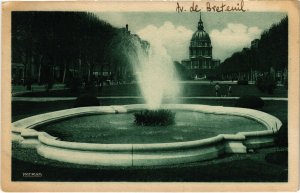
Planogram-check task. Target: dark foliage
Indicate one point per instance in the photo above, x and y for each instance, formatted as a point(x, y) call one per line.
point(59, 39)
point(68, 44)
point(154, 117)
point(86, 100)
point(272, 51)
point(252, 102)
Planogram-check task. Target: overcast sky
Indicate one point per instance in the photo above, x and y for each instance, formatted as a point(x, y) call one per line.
point(229, 32)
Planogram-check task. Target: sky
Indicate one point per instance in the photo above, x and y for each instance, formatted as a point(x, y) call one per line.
point(229, 32)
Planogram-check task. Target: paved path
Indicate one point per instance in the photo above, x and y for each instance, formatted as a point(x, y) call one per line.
point(20, 89)
point(48, 99)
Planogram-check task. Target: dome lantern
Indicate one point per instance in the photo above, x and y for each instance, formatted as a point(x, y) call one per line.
point(200, 24)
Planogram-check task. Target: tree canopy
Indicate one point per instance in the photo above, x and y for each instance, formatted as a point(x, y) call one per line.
point(271, 51)
point(49, 41)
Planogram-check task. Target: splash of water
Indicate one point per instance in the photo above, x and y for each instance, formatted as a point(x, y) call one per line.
point(154, 69)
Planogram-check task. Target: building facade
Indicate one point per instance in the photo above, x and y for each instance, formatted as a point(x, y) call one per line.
point(200, 63)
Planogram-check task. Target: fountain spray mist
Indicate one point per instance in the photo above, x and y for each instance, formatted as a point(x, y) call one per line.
point(154, 68)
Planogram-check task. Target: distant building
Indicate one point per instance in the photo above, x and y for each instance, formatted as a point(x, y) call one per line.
point(200, 62)
point(216, 62)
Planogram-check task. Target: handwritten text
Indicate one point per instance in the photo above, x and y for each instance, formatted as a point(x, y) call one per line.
point(213, 7)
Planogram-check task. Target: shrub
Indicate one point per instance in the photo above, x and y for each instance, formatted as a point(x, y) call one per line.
point(74, 84)
point(266, 84)
point(281, 137)
point(280, 157)
point(252, 102)
point(28, 84)
point(90, 85)
point(154, 117)
point(86, 100)
point(242, 82)
point(49, 85)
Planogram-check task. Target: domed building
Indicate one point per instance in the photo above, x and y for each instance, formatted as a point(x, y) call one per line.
point(200, 62)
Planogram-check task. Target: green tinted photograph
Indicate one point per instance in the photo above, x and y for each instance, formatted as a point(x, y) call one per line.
point(182, 96)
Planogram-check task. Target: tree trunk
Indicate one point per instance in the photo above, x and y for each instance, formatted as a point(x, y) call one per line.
point(40, 69)
point(89, 72)
point(79, 68)
point(28, 69)
point(65, 71)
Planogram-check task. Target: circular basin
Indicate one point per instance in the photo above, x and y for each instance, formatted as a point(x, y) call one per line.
point(121, 129)
point(107, 136)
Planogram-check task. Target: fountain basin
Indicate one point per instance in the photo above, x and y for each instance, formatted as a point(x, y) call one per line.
point(142, 154)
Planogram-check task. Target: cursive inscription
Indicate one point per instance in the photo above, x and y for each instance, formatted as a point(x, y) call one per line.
point(213, 7)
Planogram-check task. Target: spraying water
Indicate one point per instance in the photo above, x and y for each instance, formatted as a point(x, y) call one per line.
point(154, 69)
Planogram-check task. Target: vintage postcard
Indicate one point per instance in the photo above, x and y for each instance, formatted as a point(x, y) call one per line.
point(150, 96)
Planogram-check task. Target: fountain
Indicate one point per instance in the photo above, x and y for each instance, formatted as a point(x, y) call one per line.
point(118, 144)
point(153, 66)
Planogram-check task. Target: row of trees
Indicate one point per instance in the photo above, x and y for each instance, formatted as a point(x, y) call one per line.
point(55, 46)
point(269, 53)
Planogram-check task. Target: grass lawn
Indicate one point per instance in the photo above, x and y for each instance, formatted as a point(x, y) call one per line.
point(251, 167)
point(231, 168)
